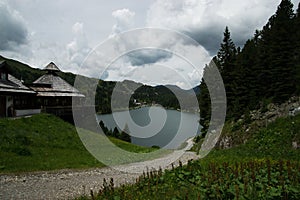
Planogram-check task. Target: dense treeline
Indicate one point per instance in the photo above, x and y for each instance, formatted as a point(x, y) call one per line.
point(123, 135)
point(159, 94)
point(265, 70)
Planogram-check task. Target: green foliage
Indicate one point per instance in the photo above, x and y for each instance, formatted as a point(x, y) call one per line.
point(204, 104)
point(159, 94)
point(254, 179)
point(272, 142)
point(124, 135)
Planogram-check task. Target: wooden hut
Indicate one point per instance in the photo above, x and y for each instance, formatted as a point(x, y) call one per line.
point(15, 98)
point(54, 94)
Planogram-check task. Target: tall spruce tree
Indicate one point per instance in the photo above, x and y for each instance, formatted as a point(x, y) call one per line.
point(297, 50)
point(125, 134)
point(204, 103)
point(225, 61)
point(227, 53)
point(245, 77)
point(281, 82)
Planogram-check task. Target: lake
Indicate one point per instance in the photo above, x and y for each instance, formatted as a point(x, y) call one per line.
point(149, 126)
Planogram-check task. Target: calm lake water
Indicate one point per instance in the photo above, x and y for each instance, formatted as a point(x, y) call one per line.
point(149, 126)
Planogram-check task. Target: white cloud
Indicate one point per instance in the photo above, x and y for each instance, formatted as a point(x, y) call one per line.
point(78, 48)
point(77, 28)
point(124, 20)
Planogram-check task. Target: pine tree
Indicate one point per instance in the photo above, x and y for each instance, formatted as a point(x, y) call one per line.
point(297, 50)
point(125, 134)
point(246, 91)
point(204, 104)
point(281, 81)
point(225, 61)
point(116, 133)
point(227, 52)
point(103, 127)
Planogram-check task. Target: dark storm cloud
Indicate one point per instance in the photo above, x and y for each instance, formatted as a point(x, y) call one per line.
point(147, 56)
point(13, 31)
point(209, 39)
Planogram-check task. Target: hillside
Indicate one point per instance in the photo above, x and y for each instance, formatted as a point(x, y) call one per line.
point(46, 142)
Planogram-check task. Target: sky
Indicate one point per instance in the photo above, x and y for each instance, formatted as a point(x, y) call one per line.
point(151, 41)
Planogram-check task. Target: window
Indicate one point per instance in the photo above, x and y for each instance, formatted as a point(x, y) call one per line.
point(3, 76)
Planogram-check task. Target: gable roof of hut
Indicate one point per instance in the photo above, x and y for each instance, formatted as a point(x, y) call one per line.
point(51, 85)
point(12, 84)
point(52, 67)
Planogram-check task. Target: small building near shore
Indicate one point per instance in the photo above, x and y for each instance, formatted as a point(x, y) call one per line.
point(54, 94)
point(15, 97)
point(49, 93)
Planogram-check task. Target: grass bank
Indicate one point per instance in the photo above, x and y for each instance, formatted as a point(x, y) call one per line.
point(45, 142)
point(275, 141)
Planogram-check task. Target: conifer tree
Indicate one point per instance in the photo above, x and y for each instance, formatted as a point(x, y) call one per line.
point(297, 50)
point(280, 79)
point(225, 61)
point(227, 52)
point(204, 104)
point(124, 135)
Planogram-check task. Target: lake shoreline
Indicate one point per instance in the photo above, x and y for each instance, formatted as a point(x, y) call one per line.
point(161, 127)
point(152, 105)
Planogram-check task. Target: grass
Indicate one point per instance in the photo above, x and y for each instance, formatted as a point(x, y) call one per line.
point(265, 167)
point(45, 142)
point(272, 142)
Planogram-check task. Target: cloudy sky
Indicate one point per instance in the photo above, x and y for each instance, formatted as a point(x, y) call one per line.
point(84, 36)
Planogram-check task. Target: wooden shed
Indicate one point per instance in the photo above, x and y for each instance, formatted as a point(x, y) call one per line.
point(53, 93)
point(15, 98)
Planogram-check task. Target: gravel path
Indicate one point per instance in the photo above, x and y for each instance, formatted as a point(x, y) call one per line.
point(67, 184)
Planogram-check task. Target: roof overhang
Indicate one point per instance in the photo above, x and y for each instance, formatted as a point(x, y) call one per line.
point(10, 90)
point(59, 94)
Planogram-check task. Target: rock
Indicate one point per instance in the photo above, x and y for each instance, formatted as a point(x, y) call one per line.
point(225, 142)
point(294, 111)
point(271, 107)
point(295, 145)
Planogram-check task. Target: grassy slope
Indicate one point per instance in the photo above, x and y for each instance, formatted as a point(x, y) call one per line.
point(272, 142)
point(45, 142)
point(265, 167)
